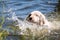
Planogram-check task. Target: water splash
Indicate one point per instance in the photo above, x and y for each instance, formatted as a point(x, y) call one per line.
point(35, 29)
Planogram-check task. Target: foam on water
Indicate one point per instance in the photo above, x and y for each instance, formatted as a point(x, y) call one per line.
point(23, 25)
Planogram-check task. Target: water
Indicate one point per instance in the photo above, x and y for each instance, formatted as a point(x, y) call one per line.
point(15, 10)
point(24, 7)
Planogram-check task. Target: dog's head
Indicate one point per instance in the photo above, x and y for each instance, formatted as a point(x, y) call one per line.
point(36, 17)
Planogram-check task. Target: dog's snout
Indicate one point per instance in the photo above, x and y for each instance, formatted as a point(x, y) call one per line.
point(30, 18)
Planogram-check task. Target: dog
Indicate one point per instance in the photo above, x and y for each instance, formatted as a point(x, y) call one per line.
point(38, 18)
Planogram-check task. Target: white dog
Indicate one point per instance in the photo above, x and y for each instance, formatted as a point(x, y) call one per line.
point(38, 18)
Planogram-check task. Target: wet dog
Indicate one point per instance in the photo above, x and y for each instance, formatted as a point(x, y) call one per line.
point(38, 18)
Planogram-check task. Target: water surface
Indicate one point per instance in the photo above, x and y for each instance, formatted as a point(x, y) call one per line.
point(21, 8)
point(24, 7)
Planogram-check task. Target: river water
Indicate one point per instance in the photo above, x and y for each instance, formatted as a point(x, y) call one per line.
point(21, 8)
point(24, 7)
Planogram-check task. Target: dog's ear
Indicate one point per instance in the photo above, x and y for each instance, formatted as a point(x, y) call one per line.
point(41, 21)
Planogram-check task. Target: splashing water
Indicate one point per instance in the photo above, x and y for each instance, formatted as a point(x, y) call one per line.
point(35, 29)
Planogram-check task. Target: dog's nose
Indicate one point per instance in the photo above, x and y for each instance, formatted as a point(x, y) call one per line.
point(30, 18)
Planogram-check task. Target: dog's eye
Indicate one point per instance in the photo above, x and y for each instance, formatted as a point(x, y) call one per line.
point(36, 15)
point(29, 15)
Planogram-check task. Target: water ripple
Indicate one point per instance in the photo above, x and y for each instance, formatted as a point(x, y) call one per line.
point(26, 6)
